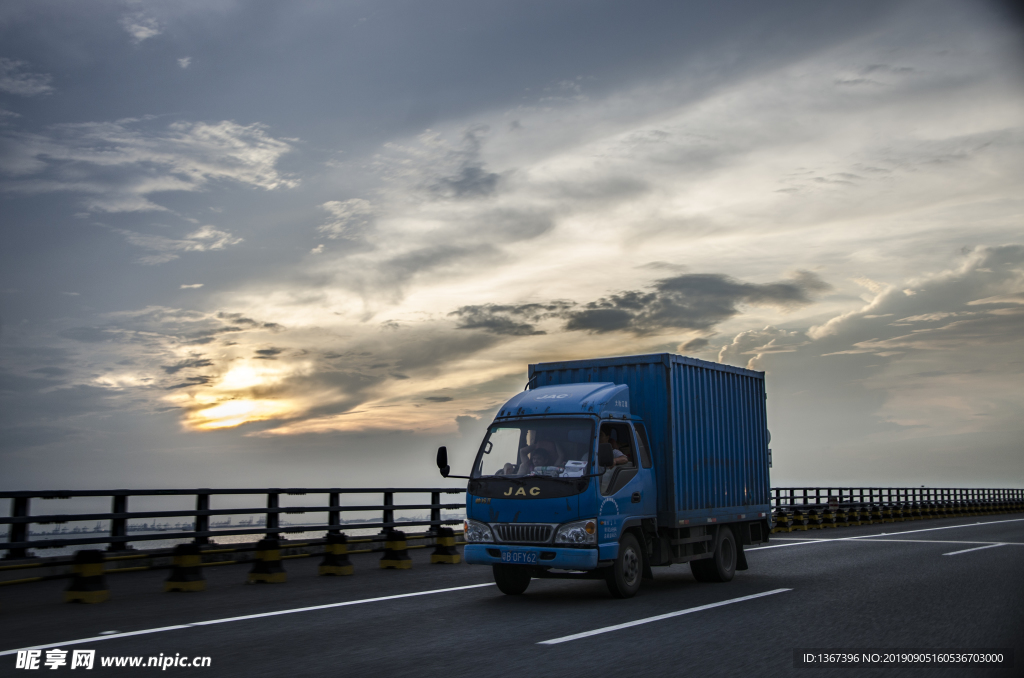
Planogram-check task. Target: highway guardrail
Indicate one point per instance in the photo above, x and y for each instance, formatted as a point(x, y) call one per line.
point(807, 508)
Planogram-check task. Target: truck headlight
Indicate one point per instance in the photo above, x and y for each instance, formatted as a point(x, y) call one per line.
point(477, 532)
point(578, 532)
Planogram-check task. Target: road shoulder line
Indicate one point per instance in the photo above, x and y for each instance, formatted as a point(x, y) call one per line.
point(96, 639)
point(648, 620)
point(885, 534)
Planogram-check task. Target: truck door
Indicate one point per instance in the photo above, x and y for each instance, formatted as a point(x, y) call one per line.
point(650, 499)
point(627, 489)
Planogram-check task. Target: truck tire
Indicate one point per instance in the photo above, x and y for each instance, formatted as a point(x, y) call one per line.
point(722, 565)
point(512, 580)
point(625, 575)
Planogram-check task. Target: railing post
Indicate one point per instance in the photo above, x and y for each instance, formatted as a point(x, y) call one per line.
point(119, 526)
point(333, 517)
point(18, 531)
point(435, 511)
point(273, 518)
point(202, 523)
point(389, 513)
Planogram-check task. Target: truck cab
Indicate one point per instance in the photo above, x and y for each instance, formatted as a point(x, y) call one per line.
point(538, 495)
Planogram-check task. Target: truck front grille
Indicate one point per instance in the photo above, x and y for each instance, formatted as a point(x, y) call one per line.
point(524, 533)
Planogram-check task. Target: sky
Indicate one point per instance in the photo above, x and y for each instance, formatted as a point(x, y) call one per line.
point(303, 244)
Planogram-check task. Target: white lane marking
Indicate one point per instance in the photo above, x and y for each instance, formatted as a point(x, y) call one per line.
point(795, 543)
point(948, 541)
point(111, 636)
point(648, 620)
point(873, 536)
point(932, 541)
point(977, 548)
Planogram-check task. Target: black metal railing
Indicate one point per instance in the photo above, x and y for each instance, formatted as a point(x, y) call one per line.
point(824, 496)
point(116, 536)
point(118, 533)
point(808, 508)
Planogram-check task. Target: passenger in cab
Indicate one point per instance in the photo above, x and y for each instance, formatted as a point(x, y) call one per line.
point(609, 436)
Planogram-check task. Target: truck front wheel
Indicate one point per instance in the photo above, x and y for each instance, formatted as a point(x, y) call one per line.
point(624, 576)
point(722, 565)
point(512, 580)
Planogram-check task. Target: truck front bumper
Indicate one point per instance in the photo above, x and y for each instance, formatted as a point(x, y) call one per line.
point(541, 556)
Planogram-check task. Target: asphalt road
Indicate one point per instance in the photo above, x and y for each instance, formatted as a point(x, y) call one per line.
point(885, 587)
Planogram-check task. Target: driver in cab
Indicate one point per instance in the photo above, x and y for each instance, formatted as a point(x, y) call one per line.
point(541, 452)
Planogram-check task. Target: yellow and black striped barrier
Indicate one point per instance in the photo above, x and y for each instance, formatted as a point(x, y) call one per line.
point(336, 560)
point(783, 521)
point(88, 585)
point(186, 571)
point(444, 549)
point(396, 555)
point(268, 569)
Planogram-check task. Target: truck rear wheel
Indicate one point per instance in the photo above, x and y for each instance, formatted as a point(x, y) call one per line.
point(625, 575)
point(512, 580)
point(722, 565)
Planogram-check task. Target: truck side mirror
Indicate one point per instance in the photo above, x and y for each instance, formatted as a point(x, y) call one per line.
point(605, 457)
point(442, 461)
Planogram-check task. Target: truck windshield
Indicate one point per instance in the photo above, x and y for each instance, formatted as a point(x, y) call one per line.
point(557, 448)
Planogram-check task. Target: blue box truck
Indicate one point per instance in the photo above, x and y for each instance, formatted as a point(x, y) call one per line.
point(609, 467)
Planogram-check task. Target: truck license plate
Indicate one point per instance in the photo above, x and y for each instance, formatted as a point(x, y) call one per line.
point(523, 557)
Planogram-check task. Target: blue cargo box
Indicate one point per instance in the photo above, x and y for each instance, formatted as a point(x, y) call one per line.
point(707, 425)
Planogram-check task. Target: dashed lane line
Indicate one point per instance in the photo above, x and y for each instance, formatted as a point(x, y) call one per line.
point(977, 548)
point(648, 620)
point(96, 639)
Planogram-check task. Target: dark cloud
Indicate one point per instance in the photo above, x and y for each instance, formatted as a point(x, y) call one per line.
point(683, 302)
point(268, 353)
point(508, 319)
point(439, 399)
point(886, 68)
point(689, 302)
point(191, 381)
point(695, 344)
point(600, 319)
point(237, 319)
point(186, 364)
point(474, 318)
